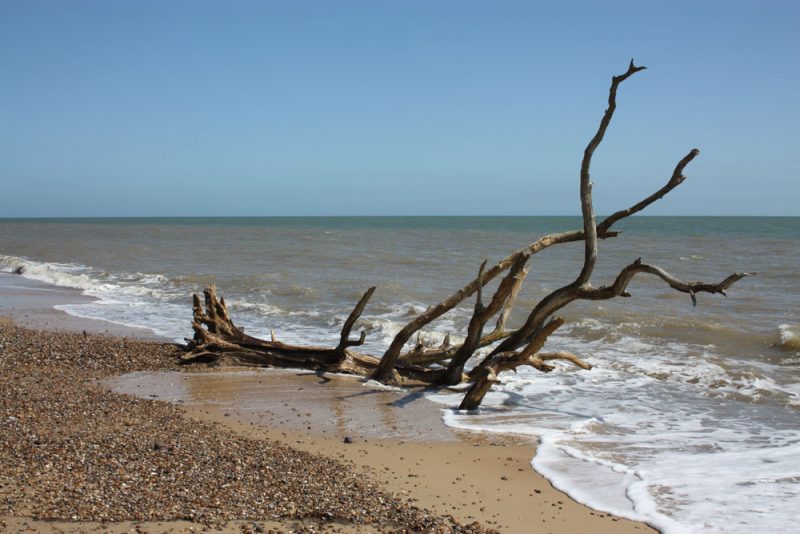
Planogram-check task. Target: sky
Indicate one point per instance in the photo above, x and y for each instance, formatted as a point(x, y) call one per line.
point(441, 107)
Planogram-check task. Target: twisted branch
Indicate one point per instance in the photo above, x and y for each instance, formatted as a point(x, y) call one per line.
point(620, 285)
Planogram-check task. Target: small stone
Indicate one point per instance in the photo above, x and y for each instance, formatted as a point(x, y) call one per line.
point(348, 439)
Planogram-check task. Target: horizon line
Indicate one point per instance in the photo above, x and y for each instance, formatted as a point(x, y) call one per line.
point(578, 216)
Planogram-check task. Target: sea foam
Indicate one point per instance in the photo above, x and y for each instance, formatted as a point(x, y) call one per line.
point(653, 446)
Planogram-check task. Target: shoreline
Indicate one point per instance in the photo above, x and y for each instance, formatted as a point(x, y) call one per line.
point(474, 477)
point(32, 304)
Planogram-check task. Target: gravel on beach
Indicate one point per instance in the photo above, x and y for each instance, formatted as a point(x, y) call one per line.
point(71, 450)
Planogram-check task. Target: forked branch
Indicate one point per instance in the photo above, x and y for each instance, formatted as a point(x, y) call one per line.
point(486, 374)
point(503, 298)
point(620, 285)
point(587, 208)
point(344, 339)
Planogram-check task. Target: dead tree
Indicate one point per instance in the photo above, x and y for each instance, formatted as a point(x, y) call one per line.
point(217, 339)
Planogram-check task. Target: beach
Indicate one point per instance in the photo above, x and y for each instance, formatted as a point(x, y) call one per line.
point(686, 422)
point(79, 457)
point(399, 266)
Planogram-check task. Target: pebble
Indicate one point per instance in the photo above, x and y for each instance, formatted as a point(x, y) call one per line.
point(71, 449)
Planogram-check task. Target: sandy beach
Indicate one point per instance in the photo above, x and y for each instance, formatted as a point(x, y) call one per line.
point(220, 455)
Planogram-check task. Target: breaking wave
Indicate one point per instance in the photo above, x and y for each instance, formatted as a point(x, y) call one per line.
point(788, 340)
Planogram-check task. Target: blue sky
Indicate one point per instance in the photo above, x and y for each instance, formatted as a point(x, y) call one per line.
point(156, 108)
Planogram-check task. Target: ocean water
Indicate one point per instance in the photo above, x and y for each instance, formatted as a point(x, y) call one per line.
point(690, 419)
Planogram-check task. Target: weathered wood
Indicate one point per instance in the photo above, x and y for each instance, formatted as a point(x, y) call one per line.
point(486, 374)
point(566, 356)
point(481, 316)
point(620, 285)
point(500, 326)
point(675, 180)
point(344, 340)
point(218, 340)
point(587, 206)
point(434, 312)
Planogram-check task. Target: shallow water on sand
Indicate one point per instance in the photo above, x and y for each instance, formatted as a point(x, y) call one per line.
point(689, 419)
point(300, 401)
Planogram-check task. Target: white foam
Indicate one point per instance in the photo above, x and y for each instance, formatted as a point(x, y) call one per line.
point(58, 274)
point(669, 436)
point(787, 339)
point(259, 307)
point(122, 298)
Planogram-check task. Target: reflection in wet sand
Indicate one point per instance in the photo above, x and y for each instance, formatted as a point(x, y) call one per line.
point(328, 405)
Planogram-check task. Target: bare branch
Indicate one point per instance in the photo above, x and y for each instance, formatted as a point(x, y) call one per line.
point(478, 297)
point(344, 339)
point(427, 355)
point(562, 355)
point(544, 309)
point(519, 277)
point(486, 373)
point(675, 180)
point(563, 296)
point(480, 317)
point(391, 355)
point(587, 209)
point(535, 344)
point(620, 285)
point(538, 340)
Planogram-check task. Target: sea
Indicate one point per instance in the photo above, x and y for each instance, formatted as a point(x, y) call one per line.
point(689, 420)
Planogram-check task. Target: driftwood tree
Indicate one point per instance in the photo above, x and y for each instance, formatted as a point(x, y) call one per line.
point(217, 339)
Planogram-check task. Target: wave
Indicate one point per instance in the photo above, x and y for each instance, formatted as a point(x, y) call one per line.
point(138, 300)
point(643, 432)
point(90, 281)
point(787, 340)
point(648, 449)
point(69, 275)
